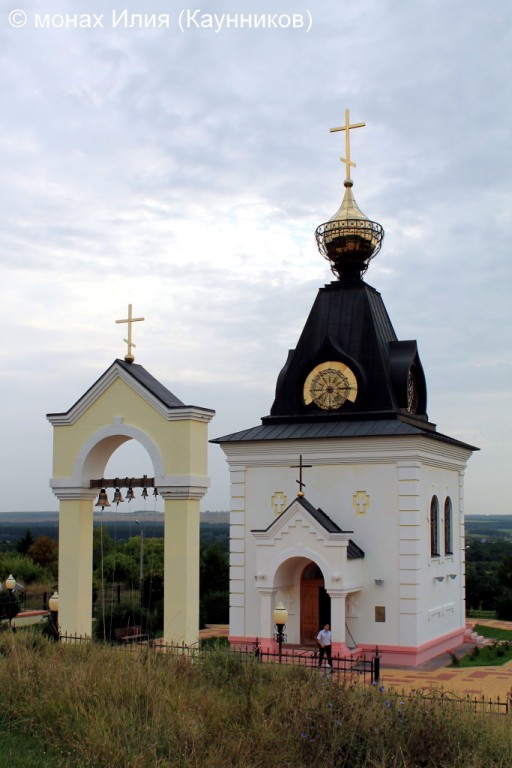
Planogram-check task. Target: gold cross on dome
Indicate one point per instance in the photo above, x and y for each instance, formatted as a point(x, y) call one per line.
point(347, 127)
point(129, 358)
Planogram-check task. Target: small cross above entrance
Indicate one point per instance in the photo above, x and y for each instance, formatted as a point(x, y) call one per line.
point(300, 466)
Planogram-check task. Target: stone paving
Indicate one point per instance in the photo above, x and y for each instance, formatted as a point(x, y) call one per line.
point(490, 682)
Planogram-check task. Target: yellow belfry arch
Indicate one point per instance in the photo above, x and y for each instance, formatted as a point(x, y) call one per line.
point(128, 403)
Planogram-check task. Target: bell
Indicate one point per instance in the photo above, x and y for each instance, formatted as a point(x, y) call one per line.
point(155, 492)
point(144, 493)
point(118, 496)
point(102, 499)
point(130, 494)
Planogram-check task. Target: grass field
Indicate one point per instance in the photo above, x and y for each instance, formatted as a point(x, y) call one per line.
point(495, 632)
point(493, 655)
point(21, 750)
point(91, 706)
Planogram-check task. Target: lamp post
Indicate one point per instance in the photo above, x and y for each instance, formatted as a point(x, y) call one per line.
point(10, 585)
point(53, 605)
point(280, 617)
point(141, 568)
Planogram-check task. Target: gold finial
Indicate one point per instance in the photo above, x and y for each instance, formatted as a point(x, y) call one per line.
point(347, 127)
point(129, 358)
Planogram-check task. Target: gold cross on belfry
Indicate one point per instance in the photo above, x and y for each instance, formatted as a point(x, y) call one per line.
point(129, 358)
point(347, 127)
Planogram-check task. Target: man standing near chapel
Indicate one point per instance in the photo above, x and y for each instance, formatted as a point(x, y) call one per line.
point(324, 640)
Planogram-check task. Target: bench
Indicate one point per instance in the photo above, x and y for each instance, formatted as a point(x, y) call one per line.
point(130, 635)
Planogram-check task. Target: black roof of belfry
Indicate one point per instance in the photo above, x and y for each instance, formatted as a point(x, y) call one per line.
point(151, 384)
point(333, 429)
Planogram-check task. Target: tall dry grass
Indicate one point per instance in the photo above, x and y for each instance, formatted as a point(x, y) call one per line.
point(139, 710)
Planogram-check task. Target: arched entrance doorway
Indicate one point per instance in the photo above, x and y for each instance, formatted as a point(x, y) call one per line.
point(315, 604)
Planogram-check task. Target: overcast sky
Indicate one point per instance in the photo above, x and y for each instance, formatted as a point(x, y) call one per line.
point(185, 172)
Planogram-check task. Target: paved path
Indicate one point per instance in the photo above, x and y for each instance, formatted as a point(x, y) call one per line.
point(490, 682)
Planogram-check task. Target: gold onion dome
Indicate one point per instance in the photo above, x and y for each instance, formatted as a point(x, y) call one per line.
point(349, 240)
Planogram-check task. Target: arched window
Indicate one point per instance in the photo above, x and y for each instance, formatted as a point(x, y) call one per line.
point(434, 527)
point(448, 527)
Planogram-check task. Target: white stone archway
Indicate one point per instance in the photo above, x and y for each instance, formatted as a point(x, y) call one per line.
point(127, 403)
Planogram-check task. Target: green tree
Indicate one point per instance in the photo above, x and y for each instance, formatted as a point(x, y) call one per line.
point(504, 572)
point(153, 554)
point(214, 570)
point(488, 574)
point(482, 586)
point(504, 599)
point(214, 585)
point(118, 567)
point(102, 544)
point(44, 552)
point(24, 570)
point(26, 541)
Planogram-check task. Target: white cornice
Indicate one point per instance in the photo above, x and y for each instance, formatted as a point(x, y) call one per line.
point(348, 450)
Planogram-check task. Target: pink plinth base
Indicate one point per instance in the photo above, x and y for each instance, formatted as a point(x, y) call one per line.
point(391, 655)
point(411, 656)
point(340, 649)
point(266, 644)
point(269, 645)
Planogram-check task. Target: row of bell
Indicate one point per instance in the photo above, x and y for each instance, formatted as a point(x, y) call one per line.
point(118, 496)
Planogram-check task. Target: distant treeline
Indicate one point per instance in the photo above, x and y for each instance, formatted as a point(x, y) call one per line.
point(489, 526)
point(484, 526)
point(118, 530)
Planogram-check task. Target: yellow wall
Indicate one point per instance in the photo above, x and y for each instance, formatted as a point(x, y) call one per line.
point(182, 444)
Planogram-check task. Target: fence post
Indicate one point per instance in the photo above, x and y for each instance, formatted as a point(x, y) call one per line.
point(376, 665)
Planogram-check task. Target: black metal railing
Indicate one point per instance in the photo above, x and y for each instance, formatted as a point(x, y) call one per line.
point(33, 601)
point(363, 669)
point(477, 704)
point(113, 595)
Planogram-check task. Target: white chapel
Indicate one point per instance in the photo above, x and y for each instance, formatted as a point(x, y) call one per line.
point(347, 503)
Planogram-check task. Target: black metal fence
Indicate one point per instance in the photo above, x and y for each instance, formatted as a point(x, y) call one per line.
point(112, 595)
point(363, 669)
point(33, 601)
point(478, 704)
